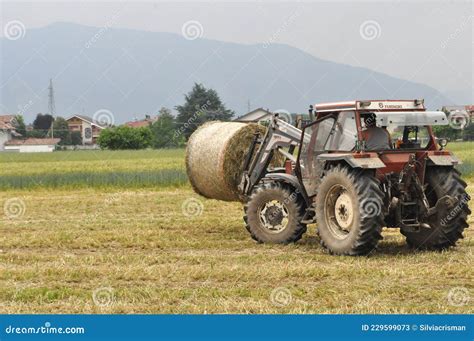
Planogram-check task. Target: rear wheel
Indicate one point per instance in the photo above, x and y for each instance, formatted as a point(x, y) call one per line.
point(446, 227)
point(349, 210)
point(274, 212)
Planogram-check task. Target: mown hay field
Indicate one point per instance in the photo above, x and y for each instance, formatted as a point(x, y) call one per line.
point(156, 247)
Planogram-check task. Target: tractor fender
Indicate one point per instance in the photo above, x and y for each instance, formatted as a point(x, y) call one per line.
point(289, 179)
point(444, 160)
point(372, 162)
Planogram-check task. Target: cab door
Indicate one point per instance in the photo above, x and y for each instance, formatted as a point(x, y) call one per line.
point(314, 139)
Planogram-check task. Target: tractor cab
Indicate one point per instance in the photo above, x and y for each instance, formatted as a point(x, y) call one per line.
point(368, 134)
point(377, 125)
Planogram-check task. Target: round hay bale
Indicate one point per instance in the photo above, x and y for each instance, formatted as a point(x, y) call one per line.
point(215, 156)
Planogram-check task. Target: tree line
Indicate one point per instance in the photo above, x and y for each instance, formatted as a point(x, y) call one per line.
point(45, 125)
point(167, 131)
point(200, 105)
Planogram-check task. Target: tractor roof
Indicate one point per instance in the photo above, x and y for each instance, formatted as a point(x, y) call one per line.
point(372, 105)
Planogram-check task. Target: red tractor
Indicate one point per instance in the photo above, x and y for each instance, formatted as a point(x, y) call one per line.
point(356, 167)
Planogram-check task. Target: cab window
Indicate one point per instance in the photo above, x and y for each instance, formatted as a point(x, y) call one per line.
point(344, 135)
point(409, 137)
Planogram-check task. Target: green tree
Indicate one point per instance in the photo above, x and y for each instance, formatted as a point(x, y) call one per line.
point(200, 105)
point(164, 130)
point(125, 137)
point(468, 132)
point(61, 130)
point(447, 132)
point(76, 138)
point(42, 124)
point(20, 125)
point(39, 134)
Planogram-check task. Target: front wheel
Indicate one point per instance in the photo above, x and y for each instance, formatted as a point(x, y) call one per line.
point(349, 211)
point(274, 212)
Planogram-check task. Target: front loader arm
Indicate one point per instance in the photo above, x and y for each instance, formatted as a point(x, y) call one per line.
point(278, 135)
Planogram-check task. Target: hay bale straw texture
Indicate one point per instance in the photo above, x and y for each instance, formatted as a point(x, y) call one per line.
point(215, 155)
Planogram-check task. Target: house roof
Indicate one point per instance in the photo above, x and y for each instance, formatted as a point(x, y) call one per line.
point(6, 122)
point(453, 107)
point(87, 119)
point(139, 124)
point(33, 142)
point(253, 115)
point(5, 126)
point(7, 118)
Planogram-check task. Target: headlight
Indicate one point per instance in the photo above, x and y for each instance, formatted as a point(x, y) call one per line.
point(442, 142)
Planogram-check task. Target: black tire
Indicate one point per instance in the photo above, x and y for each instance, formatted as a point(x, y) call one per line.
point(349, 211)
point(444, 232)
point(265, 198)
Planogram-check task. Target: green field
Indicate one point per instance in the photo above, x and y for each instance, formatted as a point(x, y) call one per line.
point(80, 169)
point(465, 152)
point(145, 244)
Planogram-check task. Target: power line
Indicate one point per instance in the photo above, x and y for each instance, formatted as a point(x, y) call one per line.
point(51, 105)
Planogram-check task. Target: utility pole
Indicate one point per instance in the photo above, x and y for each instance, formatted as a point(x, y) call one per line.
point(51, 105)
point(248, 105)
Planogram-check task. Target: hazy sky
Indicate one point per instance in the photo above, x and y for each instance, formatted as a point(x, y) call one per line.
point(428, 42)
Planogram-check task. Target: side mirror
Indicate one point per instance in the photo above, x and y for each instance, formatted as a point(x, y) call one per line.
point(442, 143)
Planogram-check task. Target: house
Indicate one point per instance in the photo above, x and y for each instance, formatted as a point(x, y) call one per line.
point(7, 129)
point(141, 123)
point(31, 145)
point(256, 115)
point(87, 126)
point(469, 109)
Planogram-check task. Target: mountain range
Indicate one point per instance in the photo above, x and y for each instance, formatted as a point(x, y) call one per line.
point(132, 73)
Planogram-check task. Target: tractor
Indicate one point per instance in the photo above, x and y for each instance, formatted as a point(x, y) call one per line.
point(354, 168)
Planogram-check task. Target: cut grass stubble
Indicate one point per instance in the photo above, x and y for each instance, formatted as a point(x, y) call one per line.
point(155, 257)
